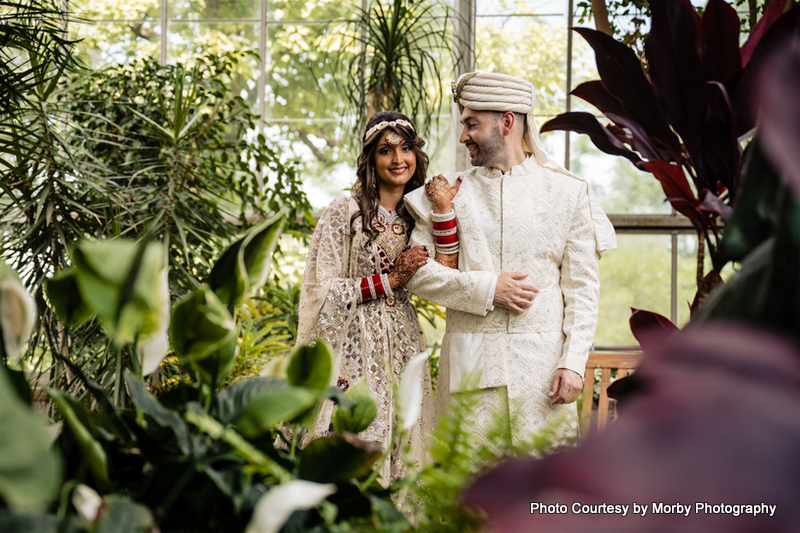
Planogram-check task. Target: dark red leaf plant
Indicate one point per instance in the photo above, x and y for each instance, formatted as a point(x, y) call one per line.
point(685, 119)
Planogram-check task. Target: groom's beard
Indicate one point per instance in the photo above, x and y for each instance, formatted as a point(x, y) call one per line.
point(487, 151)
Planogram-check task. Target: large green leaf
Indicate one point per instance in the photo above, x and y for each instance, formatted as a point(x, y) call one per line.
point(754, 219)
point(271, 408)
point(337, 459)
point(80, 424)
point(204, 333)
point(28, 523)
point(213, 370)
point(150, 406)
point(65, 298)
point(125, 284)
point(29, 469)
point(311, 366)
point(121, 515)
point(230, 403)
point(360, 415)
point(244, 266)
point(17, 314)
point(200, 324)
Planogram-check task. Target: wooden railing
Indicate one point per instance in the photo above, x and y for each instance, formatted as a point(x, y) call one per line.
point(623, 363)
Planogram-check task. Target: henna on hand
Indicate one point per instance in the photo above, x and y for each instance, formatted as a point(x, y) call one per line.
point(406, 264)
point(442, 193)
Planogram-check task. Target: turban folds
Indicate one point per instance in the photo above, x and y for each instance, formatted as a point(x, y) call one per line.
point(487, 91)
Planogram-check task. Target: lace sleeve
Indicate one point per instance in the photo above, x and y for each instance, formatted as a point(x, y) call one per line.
point(327, 296)
point(470, 292)
point(580, 285)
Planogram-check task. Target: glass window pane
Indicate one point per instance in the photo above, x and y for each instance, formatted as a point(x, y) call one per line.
point(584, 68)
point(538, 54)
point(294, 10)
point(553, 142)
point(620, 187)
point(214, 9)
point(115, 10)
point(518, 7)
point(299, 77)
point(636, 274)
point(304, 110)
point(186, 40)
point(104, 43)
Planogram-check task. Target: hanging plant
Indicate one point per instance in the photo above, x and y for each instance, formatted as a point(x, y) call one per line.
point(391, 57)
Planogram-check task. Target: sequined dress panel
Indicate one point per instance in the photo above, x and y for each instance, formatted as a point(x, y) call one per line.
point(372, 340)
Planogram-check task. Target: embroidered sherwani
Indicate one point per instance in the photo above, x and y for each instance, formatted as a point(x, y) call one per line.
point(530, 220)
point(372, 340)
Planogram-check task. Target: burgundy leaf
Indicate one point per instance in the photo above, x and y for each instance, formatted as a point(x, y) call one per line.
point(642, 142)
point(713, 205)
point(780, 111)
point(581, 122)
point(720, 39)
point(742, 93)
point(673, 54)
point(596, 94)
point(672, 180)
point(719, 157)
point(689, 209)
point(624, 388)
point(773, 12)
point(651, 329)
point(715, 423)
point(622, 75)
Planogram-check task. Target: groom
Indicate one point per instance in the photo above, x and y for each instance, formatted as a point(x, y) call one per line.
point(522, 305)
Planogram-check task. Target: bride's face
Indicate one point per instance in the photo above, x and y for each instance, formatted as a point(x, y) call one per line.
point(395, 161)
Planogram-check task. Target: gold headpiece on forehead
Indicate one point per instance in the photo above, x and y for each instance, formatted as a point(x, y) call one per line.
point(393, 139)
point(385, 124)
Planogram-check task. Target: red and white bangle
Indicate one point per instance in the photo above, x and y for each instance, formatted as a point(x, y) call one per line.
point(375, 286)
point(445, 232)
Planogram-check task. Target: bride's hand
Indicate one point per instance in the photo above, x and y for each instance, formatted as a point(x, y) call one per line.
point(442, 193)
point(406, 264)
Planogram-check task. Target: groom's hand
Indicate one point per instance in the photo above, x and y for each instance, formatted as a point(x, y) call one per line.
point(567, 386)
point(512, 293)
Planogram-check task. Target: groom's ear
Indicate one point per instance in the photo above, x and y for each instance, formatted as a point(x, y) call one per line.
point(507, 122)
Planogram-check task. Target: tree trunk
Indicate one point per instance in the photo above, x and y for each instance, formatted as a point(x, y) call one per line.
point(701, 260)
point(379, 100)
point(600, 14)
point(705, 283)
point(752, 6)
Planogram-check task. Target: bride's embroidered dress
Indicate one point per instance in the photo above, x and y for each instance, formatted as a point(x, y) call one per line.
point(372, 329)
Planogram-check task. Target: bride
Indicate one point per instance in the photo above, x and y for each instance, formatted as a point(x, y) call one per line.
point(353, 293)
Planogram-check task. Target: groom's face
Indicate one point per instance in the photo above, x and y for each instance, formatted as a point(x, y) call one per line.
point(480, 133)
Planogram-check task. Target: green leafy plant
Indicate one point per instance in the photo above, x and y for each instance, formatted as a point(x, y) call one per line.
point(141, 151)
point(183, 151)
point(200, 457)
point(390, 57)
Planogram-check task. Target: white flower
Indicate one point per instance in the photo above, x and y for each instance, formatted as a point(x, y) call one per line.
point(276, 506)
point(154, 347)
point(275, 367)
point(53, 431)
point(87, 502)
point(17, 314)
point(152, 351)
point(410, 390)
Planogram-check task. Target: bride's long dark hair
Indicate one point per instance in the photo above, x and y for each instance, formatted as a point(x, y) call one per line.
point(365, 189)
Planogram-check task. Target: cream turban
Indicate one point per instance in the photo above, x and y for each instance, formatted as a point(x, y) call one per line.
point(486, 91)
